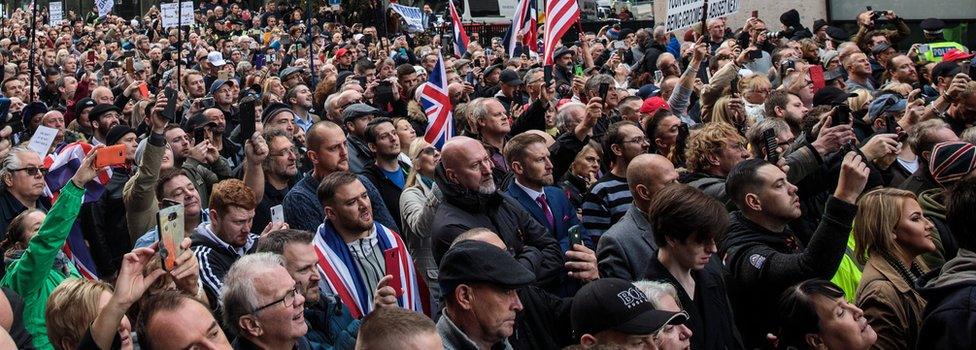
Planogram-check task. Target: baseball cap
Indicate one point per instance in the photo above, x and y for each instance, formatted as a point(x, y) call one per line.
point(652, 104)
point(218, 83)
point(216, 58)
point(831, 96)
point(880, 48)
point(886, 103)
point(954, 55)
point(945, 69)
point(357, 110)
point(197, 121)
point(341, 52)
point(84, 103)
point(932, 25)
point(510, 77)
point(481, 262)
point(616, 304)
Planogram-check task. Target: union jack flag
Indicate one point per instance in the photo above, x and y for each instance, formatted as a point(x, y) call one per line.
point(460, 37)
point(62, 165)
point(560, 15)
point(524, 23)
point(437, 106)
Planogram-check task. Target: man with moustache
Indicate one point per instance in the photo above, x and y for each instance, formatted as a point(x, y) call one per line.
point(103, 117)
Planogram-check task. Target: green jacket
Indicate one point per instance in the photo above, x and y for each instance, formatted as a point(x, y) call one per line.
point(32, 275)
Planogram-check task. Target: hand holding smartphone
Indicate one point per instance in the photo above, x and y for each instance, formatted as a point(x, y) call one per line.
point(169, 228)
point(110, 156)
point(392, 258)
point(771, 145)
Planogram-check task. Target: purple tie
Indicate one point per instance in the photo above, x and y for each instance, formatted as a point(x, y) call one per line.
point(545, 209)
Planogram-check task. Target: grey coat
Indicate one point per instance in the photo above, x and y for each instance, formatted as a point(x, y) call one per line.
point(625, 249)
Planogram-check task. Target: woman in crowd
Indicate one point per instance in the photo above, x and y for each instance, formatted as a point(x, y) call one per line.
point(583, 173)
point(36, 272)
point(814, 315)
point(417, 209)
point(664, 132)
point(890, 233)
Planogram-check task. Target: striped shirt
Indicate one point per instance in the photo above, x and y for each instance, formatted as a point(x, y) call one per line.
point(608, 201)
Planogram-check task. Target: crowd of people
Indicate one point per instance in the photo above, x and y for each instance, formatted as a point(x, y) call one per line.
point(730, 186)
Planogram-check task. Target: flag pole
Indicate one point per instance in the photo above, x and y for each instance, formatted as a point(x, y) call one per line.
point(179, 43)
point(311, 49)
point(33, 41)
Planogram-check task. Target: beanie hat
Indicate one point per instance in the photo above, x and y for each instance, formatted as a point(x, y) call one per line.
point(951, 161)
point(116, 133)
point(790, 18)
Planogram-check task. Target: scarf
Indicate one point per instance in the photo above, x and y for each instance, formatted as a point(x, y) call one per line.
point(338, 267)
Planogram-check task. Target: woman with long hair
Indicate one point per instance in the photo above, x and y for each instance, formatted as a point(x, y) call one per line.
point(814, 315)
point(890, 233)
point(417, 209)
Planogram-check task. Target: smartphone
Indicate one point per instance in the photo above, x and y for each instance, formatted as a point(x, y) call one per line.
point(128, 53)
point(604, 90)
point(170, 111)
point(469, 78)
point(817, 77)
point(169, 221)
point(841, 116)
point(547, 74)
point(575, 237)
point(223, 75)
point(144, 90)
point(91, 56)
point(658, 76)
point(770, 146)
point(199, 134)
point(578, 70)
point(755, 54)
point(277, 213)
point(129, 66)
point(247, 119)
point(392, 258)
point(755, 13)
point(110, 156)
point(362, 81)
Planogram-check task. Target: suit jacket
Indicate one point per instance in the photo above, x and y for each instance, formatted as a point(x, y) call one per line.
point(563, 213)
point(624, 250)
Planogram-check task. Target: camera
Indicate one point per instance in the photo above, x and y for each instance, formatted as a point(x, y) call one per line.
point(775, 35)
point(877, 16)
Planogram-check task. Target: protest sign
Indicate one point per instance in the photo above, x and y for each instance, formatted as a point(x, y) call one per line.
point(682, 14)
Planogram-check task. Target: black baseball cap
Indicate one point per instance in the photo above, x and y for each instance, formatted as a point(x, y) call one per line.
point(481, 262)
point(84, 103)
point(197, 121)
point(616, 304)
point(273, 110)
point(510, 77)
point(831, 96)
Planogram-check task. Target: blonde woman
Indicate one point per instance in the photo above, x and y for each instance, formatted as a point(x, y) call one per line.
point(731, 110)
point(890, 233)
point(417, 205)
point(272, 85)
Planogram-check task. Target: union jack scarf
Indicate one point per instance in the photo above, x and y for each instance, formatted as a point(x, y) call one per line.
point(342, 278)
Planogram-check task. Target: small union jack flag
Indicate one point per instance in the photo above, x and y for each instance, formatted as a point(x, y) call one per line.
point(437, 106)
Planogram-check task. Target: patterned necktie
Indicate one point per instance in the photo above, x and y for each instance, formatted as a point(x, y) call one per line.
point(545, 209)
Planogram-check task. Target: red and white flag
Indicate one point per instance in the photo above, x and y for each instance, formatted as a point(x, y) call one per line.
point(560, 15)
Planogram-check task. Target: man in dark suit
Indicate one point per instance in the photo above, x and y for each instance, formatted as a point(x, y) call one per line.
point(528, 158)
point(625, 249)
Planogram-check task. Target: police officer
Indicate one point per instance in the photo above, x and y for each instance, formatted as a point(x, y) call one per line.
point(936, 45)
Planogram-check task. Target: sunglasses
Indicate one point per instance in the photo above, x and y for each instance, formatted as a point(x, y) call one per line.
point(32, 170)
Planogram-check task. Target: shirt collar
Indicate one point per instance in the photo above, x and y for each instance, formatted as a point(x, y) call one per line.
point(532, 193)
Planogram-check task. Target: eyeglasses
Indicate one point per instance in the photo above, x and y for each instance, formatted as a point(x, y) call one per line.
point(639, 139)
point(286, 152)
point(288, 299)
point(32, 170)
point(428, 151)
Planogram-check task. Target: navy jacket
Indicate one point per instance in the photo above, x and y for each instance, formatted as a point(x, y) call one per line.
point(303, 211)
point(563, 213)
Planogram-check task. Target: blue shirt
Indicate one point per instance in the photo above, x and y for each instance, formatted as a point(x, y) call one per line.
point(396, 176)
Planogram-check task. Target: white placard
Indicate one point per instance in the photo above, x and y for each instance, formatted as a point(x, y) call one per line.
point(55, 11)
point(41, 142)
point(104, 7)
point(686, 13)
point(170, 12)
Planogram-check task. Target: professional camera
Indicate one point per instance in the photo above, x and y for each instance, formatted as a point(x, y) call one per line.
point(877, 16)
point(776, 35)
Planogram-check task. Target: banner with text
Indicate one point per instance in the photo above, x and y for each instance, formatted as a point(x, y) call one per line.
point(682, 14)
point(55, 12)
point(170, 13)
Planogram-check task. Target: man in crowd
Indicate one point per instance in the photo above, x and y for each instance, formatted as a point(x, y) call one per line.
point(388, 173)
point(624, 250)
point(470, 199)
point(395, 328)
point(327, 152)
point(712, 153)
point(173, 320)
point(22, 174)
point(610, 198)
point(263, 305)
point(612, 311)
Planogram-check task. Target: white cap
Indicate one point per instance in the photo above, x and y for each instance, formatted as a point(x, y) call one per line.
point(216, 58)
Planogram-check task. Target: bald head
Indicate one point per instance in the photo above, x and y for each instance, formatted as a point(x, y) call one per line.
point(480, 234)
point(103, 95)
point(646, 175)
point(454, 151)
